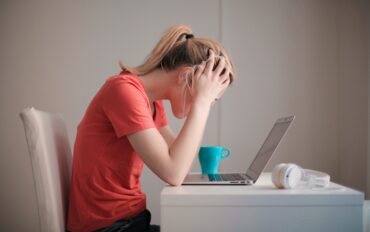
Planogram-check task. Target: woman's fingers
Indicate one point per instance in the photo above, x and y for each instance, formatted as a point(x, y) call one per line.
point(199, 69)
point(226, 83)
point(210, 63)
point(226, 75)
point(210, 82)
point(220, 66)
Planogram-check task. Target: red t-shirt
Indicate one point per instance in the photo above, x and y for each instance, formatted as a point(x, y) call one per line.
point(106, 170)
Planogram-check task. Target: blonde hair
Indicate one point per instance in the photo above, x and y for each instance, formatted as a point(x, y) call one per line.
point(179, 47)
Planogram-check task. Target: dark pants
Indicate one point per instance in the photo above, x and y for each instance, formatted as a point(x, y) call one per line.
point(139, 223)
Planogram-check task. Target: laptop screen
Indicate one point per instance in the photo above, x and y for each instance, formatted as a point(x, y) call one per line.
point(268, 147)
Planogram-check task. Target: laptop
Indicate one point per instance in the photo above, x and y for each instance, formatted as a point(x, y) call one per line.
point(255, 169)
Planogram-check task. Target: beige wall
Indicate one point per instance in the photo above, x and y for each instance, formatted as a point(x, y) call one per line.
point(306, 58)
point(286, 56)
point(353, 95)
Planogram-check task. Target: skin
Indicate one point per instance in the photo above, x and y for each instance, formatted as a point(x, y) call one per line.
point(168, 156)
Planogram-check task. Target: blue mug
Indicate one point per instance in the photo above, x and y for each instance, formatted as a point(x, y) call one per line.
point(210, 157)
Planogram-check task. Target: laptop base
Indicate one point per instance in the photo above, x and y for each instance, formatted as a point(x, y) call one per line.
point(200, 179)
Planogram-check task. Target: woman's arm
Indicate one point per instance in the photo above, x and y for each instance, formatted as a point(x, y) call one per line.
point(167, 134)
point(172, 162)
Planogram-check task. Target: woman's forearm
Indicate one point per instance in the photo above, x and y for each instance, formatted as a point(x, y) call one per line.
point(186, 145)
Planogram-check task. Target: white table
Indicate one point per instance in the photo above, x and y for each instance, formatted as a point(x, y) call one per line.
point(261, 207)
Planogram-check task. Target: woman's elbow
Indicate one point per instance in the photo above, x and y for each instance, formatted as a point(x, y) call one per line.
point(171, 174)
point(175, 180)
point(174, 184)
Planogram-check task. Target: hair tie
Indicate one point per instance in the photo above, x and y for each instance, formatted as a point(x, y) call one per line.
point(189, 36)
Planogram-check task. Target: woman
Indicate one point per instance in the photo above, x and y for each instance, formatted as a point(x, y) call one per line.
point(125, 125)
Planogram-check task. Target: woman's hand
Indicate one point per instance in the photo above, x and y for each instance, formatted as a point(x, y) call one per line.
point(207, 84)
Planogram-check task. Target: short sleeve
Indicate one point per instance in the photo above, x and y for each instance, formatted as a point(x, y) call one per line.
point(127, 107)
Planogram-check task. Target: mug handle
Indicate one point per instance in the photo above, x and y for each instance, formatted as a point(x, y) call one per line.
point(223, 152)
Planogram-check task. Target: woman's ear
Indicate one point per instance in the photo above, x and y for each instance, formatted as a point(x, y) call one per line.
point(185, 74)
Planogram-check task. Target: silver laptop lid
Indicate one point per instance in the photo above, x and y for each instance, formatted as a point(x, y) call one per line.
point(268, 147)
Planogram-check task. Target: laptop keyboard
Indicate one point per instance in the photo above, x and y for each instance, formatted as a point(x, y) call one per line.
point(225, 177)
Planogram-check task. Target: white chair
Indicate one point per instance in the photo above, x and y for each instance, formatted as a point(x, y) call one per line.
point(51, 158)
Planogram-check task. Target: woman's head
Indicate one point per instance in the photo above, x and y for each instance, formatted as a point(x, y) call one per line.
point(178, 47)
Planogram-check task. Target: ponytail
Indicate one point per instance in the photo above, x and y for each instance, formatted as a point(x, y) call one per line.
point(178, 46)
point(170, 38)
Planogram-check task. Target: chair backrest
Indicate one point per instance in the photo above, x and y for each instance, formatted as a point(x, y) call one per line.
point(51, 157)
